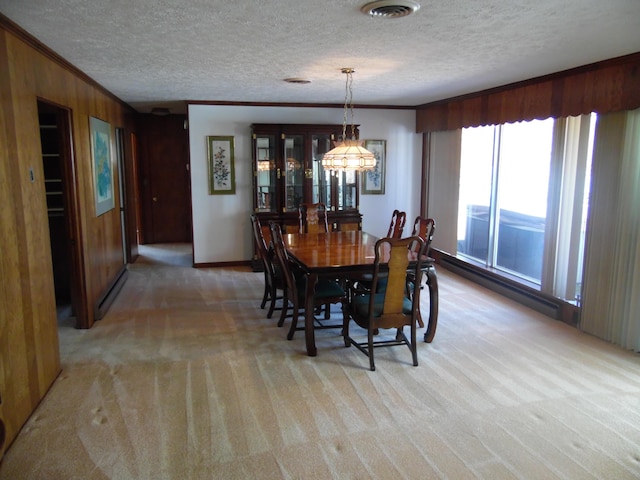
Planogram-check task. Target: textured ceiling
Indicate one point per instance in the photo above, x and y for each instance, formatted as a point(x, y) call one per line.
point(149, 52)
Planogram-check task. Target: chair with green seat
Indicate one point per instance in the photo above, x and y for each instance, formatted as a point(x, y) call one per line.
point(312, 218)
point(327, 291)
point(273, 281)
point(424, 228)
point(390, 308)
point(396, 226)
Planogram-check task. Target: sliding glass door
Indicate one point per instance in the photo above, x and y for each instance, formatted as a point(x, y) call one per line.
point(518, 195)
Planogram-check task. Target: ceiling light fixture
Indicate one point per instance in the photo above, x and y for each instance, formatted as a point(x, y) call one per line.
point(348, 154)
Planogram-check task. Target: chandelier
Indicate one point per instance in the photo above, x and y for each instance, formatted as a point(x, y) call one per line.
point(348, 154)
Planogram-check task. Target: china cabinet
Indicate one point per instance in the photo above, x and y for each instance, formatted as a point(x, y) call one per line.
point(287, 171)
point(287, 165)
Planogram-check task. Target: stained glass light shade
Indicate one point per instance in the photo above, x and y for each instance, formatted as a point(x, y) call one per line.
point(349, 155)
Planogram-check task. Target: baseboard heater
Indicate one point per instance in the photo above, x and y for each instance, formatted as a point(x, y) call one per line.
point(111, 292)
point(520, 293)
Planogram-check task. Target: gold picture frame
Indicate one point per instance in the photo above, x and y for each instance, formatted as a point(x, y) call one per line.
point(373, 180)
point(222, 172)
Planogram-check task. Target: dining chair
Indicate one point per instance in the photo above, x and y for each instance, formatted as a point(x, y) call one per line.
point(313, 218)
point(273, 281)
point(391, 308)
point(424, 228)
point(396, 226)
point(327, 291)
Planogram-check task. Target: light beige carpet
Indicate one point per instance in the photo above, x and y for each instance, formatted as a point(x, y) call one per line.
point(185, 378)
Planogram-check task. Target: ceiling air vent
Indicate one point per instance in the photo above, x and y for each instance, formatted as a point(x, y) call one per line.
point(297, 80)
point(390, 8)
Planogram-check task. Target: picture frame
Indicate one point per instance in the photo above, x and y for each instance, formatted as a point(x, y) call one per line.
point(222, 171)
point(373, 180)
point(102, 165)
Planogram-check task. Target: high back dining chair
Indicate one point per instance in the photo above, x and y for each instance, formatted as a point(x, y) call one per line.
point(396, 226)
point(424, 228)
point(313, 218)
point(390, 308)
point(273, 280)
point(327, 292)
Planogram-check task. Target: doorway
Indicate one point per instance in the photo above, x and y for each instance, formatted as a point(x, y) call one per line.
point(58, 170)
point(165, 179)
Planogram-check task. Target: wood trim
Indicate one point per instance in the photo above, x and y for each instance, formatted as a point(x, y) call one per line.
point(531, 297)
point(424, 174)
point(239, 263)
point(111, 292)
point(602, 87)
point(300, 105)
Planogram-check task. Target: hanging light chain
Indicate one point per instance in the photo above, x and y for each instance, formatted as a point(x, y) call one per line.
point(348, 154)
point(349, 87)
point(348, 104)
point(347, 100)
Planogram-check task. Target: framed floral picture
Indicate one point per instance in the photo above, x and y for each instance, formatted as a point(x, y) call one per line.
point(222, 172)
point(373, 180)
point(100, 132)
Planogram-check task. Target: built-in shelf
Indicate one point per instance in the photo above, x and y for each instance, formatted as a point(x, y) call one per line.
point(51, 165)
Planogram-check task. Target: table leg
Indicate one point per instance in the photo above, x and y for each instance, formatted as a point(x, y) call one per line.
point(432, 283)
point(309, 331)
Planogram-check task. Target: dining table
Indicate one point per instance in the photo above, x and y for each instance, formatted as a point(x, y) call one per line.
point(343, 255)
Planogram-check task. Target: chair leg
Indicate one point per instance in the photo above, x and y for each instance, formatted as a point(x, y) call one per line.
point(327, 311)
point(413, 346)
point(372, 365)
point(346, 319)
point(295, 313)
point(432, 283)
point(273, 295)
point(285, 307)
point(265, 297)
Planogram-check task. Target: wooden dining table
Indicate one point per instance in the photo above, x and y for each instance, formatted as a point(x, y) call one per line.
point(342, 255)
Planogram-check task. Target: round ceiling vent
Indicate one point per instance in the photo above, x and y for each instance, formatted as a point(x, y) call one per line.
point(390, 8)
point(297, 80)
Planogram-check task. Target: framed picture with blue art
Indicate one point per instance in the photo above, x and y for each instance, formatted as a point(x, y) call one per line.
point(373, 180)
point(100, 132)
point(222, 171)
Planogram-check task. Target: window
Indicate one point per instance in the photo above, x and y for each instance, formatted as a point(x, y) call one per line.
point(523, 189)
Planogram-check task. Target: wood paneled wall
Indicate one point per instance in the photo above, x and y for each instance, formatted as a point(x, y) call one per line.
point(602, 87)
point(29, 350)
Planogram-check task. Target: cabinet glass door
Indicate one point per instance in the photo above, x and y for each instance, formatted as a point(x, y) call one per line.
point(266, 173)
point(347, 196)
point(293, 171)
point(321, 192)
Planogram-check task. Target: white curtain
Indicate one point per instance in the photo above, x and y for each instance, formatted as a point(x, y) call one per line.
point(611, 289)
point(569, 160)
point(443, 184)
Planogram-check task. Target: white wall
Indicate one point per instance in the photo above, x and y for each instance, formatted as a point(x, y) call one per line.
point(221, 226)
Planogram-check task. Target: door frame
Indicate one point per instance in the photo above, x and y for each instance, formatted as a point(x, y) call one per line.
point(78, 287)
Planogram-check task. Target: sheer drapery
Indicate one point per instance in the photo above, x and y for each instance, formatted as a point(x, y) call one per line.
point(610, 298)
point(611, 291)
point(443, 158)
point(569, 163)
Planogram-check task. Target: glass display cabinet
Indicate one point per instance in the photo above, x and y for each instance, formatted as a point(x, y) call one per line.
point(287, 167)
